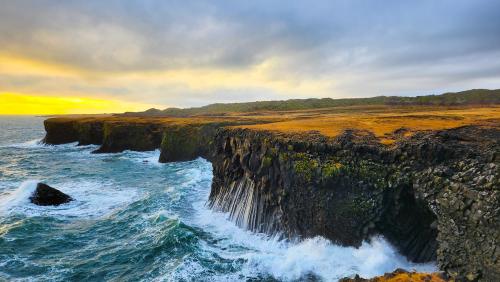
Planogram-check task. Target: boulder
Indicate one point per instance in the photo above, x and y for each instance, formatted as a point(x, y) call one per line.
point(45, 195)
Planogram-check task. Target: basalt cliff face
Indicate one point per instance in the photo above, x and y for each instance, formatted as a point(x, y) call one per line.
point(112, 136)
point(434, 195)
point(346, 189)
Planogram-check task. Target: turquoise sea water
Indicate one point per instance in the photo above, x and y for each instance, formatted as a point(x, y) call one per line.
point(135, 219)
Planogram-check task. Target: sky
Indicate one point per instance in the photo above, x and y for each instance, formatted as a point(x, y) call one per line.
point(114, 56)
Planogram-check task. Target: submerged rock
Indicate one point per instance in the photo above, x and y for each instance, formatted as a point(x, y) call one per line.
point(45, 195)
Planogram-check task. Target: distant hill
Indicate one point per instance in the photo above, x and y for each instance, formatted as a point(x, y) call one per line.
point(469, 97)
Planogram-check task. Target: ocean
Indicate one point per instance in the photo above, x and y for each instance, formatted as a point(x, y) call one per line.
point(134, 219)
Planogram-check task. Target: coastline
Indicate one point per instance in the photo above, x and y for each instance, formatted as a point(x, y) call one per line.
point(297, 182)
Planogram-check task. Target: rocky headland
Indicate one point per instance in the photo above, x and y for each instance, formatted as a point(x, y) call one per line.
point(432, 191)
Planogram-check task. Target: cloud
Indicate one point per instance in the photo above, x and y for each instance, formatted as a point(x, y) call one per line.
point(197, 52)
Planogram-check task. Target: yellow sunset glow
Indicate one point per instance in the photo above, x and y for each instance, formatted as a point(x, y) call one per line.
point(261, 76)
point(19, 104)
point(54, 77)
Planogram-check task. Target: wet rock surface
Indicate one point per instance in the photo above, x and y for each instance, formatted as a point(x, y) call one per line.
point(118, 137)
point(44, 195)
point(60, 132)
point(185, 143)
point(434, 195)
point(112, 136)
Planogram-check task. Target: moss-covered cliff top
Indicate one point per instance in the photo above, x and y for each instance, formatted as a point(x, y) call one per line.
point(387, 123)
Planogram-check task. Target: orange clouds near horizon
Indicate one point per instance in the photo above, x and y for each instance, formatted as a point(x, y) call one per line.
point(24, 104)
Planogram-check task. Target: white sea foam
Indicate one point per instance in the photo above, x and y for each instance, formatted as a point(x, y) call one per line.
point(288, 261)
point(285, 260)
point(35, 143)
point(39, 144)
point(147, 157)
point(91, 199)
point(161, 215)
point(320, 257)
point(31, 144)
point(190, 180)
point(196, 176)
point(18, 197)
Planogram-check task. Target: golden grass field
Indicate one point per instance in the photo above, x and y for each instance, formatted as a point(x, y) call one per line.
point(382, 120)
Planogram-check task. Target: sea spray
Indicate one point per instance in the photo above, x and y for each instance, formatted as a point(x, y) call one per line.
point(35, 143)
point(271, 256)
point(18, 197)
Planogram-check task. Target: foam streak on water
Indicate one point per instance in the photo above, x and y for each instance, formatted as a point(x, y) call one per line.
point(134, 219)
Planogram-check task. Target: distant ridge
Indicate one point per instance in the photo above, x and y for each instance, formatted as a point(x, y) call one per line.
point(468, 97)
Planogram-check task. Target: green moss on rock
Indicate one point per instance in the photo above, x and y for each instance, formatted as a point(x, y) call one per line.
point(267, 161)
point(331, 169)
point(305, 166)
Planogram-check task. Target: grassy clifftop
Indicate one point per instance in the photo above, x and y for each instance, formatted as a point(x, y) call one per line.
point(386, 123)
point(469, 97)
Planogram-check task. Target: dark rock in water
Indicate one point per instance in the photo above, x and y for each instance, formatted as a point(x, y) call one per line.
point(45, 195)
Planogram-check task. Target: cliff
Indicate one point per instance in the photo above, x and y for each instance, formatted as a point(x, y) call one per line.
point(112, 136)
point(434, 193)
point(179, 139)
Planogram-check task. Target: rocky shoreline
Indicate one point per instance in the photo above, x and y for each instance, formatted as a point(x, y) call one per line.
point(434, 194)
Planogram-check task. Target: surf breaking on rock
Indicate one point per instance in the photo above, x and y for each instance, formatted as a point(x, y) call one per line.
point(346, 189)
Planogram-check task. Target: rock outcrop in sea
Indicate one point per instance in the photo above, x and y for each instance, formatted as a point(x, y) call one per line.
point(44, 195)
point(434, 195)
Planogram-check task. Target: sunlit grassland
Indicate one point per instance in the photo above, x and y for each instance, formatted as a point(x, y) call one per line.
point(382, 120)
